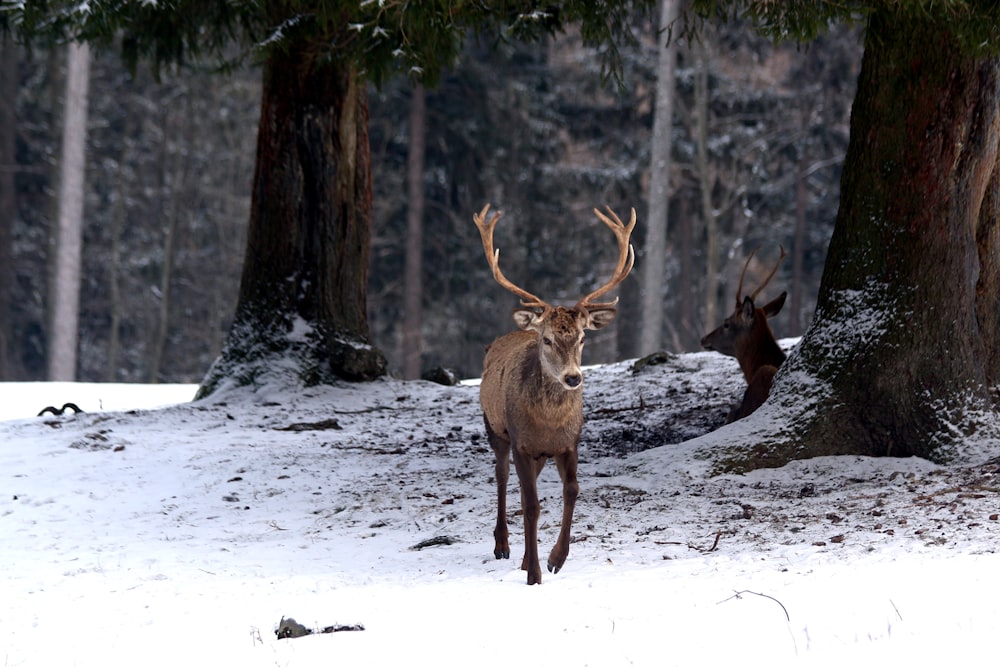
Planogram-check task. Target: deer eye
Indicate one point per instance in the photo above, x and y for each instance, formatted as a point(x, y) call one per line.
point(547, 340)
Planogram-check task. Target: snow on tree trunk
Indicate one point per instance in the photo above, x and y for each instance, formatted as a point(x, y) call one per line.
point(302, 303)
point(903, 351)
point(64, 313)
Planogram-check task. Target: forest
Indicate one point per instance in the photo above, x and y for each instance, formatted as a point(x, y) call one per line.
point(759, 135)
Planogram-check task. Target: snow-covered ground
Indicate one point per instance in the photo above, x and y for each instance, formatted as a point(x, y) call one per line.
point(182, 535)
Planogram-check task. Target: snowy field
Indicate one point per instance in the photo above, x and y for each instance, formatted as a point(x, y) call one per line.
point(141, 535)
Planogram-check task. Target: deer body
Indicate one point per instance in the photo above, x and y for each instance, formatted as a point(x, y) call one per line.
point(747, 336)
point(532, 398)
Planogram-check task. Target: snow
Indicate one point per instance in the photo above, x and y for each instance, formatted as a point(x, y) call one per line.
point(179, 535)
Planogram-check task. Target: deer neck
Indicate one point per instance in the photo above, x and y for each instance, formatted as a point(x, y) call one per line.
point(765, 352)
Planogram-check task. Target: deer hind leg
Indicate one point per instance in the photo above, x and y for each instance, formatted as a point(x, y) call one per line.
point(566, 464)
point(527, 474)
point(501, 449)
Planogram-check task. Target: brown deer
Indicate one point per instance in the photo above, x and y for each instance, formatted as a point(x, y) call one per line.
point(532, 394)
point(747, 336)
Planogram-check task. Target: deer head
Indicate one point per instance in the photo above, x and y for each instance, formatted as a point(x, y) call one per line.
point(747, 336)
point(746, 328)
point(560, 329)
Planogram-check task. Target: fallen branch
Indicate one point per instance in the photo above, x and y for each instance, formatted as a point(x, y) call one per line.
point(736, 595)
point(440, 540)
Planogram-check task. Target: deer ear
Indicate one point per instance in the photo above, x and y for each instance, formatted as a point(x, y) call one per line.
point(526, 319)
point(774, 307)
point(598, 319)
point(748, 309)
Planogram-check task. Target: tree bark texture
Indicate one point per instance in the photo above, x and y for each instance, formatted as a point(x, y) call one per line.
point(303, 291)
point(903, 351)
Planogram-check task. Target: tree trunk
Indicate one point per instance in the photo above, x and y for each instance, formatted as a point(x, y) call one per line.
point(906, 340)
point(8, 195)
point(706, 182)
point(654, 259)
point(798, 246)
point(64, 311)
point(302, 296)
point(413, 288)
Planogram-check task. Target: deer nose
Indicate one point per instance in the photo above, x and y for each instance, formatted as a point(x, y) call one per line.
point(573, 380)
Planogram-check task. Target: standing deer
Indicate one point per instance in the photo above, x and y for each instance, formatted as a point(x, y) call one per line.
point(532, 393)
point(747, 336)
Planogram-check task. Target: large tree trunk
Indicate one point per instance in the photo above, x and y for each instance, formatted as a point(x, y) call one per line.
point(302, 297)
point(906, 340)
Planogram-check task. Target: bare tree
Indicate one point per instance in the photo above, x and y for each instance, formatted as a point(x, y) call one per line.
point(8, 194)
point(64, 312)
point(413, 278)
point(654, 259)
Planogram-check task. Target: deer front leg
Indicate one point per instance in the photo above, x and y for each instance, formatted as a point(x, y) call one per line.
point(526, 475)
point(566, 464)
point(501, 449)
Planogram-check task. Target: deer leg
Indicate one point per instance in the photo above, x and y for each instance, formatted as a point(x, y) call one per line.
point(527, 472)
point(566, 464)
point(501, 449)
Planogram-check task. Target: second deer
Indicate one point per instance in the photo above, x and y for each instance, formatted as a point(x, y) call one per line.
point(747, 336)
point(531, 394)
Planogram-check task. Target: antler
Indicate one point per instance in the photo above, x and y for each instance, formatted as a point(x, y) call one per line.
point(528, 300)
point(626, 258)
point(753, 296)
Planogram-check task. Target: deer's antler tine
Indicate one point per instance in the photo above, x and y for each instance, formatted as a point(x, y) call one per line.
point(528, 300)
point(743, 273)
point(626, 259)
point(770, 275)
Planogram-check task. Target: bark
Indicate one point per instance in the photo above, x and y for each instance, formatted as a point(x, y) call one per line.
point(302, 297)
point(64, 312)
point(903, 351)
point(654, 259)
point(413, 282)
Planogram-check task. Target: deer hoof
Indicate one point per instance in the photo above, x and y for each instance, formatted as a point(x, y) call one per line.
point(500, 553)
point(554, 569)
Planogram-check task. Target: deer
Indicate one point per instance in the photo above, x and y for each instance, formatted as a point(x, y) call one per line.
point(531, 393)
point(747, 336)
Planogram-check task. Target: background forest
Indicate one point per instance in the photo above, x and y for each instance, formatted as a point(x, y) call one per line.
point(759, 134)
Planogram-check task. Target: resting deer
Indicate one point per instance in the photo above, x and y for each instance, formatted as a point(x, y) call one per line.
point(532, 394)
point(747, 336)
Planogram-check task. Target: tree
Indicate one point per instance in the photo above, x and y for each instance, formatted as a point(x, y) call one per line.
point(64, 314)
point(654, 259)
point(302, 303)
point(8, 195)
point(905, 344)
point(413, 291)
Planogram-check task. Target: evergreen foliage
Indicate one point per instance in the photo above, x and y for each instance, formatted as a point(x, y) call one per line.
point(976, 23)
point(378, 37)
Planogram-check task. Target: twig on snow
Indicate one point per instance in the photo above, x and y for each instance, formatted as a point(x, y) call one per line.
point(736, 595)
